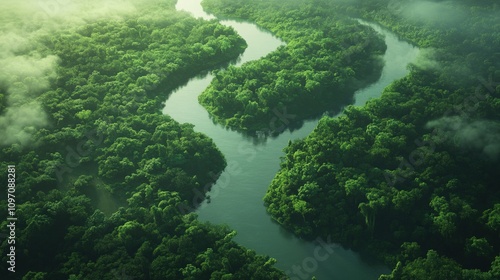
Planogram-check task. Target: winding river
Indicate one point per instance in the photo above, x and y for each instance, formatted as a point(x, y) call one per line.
point(236, 198)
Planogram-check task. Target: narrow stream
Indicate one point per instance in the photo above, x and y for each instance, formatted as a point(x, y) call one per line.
point(236, 198)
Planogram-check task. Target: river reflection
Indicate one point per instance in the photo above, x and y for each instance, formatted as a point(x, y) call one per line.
point(236, 198)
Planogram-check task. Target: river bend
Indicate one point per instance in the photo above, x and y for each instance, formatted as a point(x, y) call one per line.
point(236, 198)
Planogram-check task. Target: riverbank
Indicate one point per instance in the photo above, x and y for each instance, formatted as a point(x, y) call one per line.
point(236, 199)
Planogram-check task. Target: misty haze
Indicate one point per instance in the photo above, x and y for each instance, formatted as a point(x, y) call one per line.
point(250, 139)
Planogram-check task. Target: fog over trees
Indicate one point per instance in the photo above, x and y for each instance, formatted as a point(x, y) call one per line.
point(105, 184)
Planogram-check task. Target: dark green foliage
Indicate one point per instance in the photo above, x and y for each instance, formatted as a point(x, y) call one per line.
point(379, 178)
point(325, 59)
point(394, 178)
point(108, 145)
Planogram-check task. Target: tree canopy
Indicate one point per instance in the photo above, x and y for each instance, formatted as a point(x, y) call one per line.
point(326, 58)
point(414, 167)
point(106, 187)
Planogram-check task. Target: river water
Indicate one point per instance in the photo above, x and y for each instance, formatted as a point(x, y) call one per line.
point(236, 198)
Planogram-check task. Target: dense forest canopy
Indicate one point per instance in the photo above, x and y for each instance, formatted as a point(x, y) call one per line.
point(81, 92)
point(105, 183)
point(412, 176)
point(326, 58)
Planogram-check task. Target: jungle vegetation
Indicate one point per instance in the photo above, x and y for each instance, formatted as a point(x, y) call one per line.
point(325, 59)
point(105, 182)
point(411, 177)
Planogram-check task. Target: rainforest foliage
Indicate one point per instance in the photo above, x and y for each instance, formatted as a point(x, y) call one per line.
point(412, 177)
point(325, 59)
point(409, 178)
point(101, 142)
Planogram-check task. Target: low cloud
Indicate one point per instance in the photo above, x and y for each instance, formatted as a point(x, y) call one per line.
point(445, 13)
point(426, 60)
point(19, 123)
point(43, 14)
point(479, 135)
point(27, 69)
point(24, 77)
